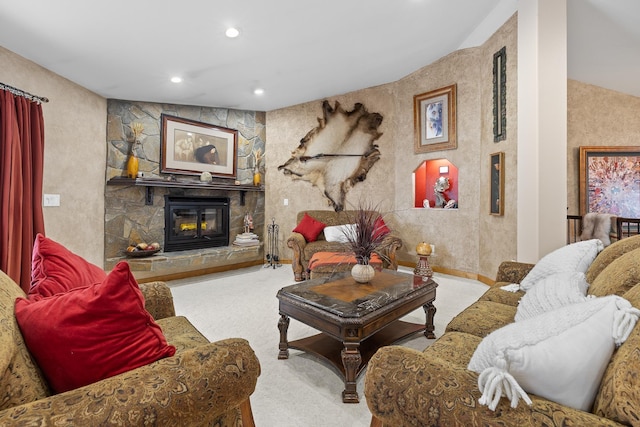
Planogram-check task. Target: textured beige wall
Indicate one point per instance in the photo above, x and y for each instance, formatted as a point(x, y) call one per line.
point(497, 233)
point(453, 231)
point(74, 156)
point(458, 234)
point(596, 117)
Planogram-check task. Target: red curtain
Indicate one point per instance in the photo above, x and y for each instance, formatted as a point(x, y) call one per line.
point(21, 170)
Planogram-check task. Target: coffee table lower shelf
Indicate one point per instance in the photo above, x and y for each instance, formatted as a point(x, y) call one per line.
point(329, 349)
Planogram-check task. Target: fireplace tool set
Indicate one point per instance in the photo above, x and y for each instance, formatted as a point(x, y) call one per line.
point(273, 259)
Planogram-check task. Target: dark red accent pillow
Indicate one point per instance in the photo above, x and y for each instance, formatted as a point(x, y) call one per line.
point(55, 269)
point(380, 229)
point(91, 333)
point(309, 227)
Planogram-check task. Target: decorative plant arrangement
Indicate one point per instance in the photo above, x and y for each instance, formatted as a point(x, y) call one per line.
point(137, 129)
point(364, 239)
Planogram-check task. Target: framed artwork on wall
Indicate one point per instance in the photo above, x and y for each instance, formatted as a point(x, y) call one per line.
point(497, 184)
point(500, 95)
point(610, 180)
point(434, 116)
point(189, 147)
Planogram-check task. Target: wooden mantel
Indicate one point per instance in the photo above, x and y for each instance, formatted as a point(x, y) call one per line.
point(150, 183)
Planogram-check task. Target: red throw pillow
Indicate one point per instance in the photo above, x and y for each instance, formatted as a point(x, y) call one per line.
point(380, 229)
point(309, 227)
point(55, 269)
point(91, 333)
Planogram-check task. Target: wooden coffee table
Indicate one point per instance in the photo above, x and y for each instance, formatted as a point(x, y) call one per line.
point(355, 319)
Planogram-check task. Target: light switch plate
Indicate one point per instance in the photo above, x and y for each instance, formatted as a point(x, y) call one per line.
point(51, 200)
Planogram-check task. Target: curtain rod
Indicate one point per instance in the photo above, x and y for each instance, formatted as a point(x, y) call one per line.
point(22, 93)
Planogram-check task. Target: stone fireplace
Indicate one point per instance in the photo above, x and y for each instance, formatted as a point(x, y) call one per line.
point(195, 223)
point(135, 209)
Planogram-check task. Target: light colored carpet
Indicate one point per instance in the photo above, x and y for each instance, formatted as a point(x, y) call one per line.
point(299, 391)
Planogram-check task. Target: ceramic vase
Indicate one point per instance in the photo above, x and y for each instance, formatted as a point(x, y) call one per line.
point(362, 273)
point(256, 178)
point(132, 165)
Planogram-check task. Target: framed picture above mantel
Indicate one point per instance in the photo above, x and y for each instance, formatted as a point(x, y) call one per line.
point(189, 147)
point(610, 180)
point(434, 116)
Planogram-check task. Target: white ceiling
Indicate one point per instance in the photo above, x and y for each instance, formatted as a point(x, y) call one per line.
point(296, 50)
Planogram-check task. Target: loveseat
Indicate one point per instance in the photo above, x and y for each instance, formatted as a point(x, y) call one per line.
point(304, 248)
point(203, 384)
point(405, 387)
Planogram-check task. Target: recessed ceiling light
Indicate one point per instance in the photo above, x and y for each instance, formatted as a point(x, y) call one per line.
point(232, 33)
point(176, 79)
point(258, 91)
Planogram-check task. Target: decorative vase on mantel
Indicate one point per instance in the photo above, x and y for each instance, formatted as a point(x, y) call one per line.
point(132, 164)
point(256, 177)
point(362, 273)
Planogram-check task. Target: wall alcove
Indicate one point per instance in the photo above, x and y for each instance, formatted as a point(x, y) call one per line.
point(429, 174)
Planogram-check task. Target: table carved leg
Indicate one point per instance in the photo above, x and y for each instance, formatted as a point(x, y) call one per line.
point(429, 327)
point(351, 359)
point(283, 326)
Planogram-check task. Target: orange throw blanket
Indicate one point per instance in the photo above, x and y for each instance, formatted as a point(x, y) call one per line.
point(322, 259)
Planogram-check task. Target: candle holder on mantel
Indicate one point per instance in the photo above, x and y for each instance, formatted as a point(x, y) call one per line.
point(422, 266)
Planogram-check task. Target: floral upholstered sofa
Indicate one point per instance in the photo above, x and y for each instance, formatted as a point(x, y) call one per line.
point(202, 384)
point(436, 387)
point(309, 237)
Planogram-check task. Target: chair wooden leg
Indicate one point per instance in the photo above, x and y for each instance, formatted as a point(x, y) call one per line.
point(247, 415)
point(375, 422)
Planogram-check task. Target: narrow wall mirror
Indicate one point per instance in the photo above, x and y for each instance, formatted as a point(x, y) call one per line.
point(500, 95)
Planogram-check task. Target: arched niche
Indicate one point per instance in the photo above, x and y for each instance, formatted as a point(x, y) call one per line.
point(425, 178)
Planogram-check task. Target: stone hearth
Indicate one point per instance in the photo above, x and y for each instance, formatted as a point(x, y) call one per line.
point(129, 220)
point(167, 266)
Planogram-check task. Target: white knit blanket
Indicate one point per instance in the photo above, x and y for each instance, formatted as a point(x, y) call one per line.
point(552, 292)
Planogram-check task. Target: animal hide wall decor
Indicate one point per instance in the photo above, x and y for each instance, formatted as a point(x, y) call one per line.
point(338, 153)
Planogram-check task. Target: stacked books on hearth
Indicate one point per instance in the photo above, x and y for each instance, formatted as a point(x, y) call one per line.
point(246, 239)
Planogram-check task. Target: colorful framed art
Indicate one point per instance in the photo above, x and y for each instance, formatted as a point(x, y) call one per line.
point(610, 180)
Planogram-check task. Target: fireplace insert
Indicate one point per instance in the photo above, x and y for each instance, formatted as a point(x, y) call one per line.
point(195, 222)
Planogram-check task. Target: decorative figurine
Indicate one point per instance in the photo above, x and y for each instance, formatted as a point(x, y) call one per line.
point(441, 185)
point(248, 222)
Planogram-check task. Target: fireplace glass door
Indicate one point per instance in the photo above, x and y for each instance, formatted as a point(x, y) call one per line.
point(196, 223)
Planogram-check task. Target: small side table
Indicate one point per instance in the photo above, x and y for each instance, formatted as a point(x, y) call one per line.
point(423, 268)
